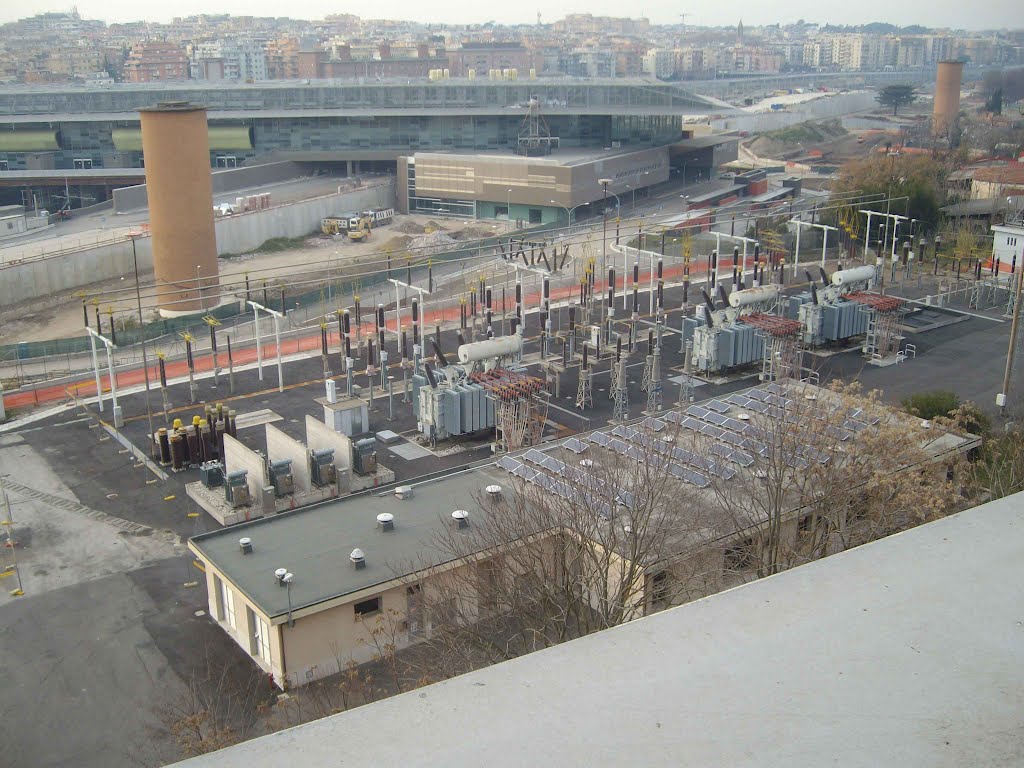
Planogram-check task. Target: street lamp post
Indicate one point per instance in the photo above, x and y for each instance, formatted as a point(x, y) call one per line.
point(508, 204)
point(199, 286)
point(604, 236)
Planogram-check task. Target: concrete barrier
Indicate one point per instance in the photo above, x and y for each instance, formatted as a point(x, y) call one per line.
point(236, 457)
point(280, 447)
point(240, 233)
point(135, 199)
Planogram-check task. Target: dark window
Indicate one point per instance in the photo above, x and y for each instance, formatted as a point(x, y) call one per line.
point(739, 556)
point(659, 589)
point(535, 216)
point(3, 165)
point(368, 607)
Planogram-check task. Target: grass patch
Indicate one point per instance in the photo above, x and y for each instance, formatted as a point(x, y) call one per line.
point(273, 245)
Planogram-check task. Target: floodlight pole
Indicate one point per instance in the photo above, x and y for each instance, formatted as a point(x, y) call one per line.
point(93, 336)
point(256, 307)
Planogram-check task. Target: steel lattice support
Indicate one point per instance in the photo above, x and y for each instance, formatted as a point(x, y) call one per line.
point(783, 357)
point(620, 392)
point(584, 393)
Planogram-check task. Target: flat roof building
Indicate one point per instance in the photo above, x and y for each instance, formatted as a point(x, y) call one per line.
point(903, 651)
point(350, 566)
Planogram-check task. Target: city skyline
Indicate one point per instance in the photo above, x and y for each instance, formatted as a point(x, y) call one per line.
point(989, 15)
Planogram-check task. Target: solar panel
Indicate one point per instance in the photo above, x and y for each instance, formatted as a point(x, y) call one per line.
point(691, 424)
point(757, 394)
point(674, 416)
point(717, 405)
point(575, 445)
point(757, 407)
point(655, 425)
point(600, 438)
point(552, 464)
point(731, 454)
point(689, 476)
point(525, 472)
point(534, 456)
point(712, 431)
point(734, 424)
point(619, 446)
point(697, 411)
point(776, 388)
point(737, 399)
point(715, 418)
point(508, 463)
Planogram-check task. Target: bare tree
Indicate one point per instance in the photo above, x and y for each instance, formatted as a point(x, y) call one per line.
point(578, 549)
point(833, 468)
point(218, 705)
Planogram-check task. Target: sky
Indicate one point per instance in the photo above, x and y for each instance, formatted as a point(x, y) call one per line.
point(957, 14)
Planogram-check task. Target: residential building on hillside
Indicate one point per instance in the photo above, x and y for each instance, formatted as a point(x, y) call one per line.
point(152, 61)
point(283, 59)
point(237, 59)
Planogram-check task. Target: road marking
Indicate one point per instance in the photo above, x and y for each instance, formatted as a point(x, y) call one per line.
point(73, 506)
point(172, 497)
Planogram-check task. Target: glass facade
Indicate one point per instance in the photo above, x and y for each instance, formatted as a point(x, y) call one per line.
point(553, 94)
point(325, 119)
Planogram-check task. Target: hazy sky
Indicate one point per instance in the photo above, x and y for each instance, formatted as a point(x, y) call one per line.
point(979, 14)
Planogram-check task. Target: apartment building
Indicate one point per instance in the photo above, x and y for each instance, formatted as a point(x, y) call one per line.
point(240, 59)
point(152, 61)
point(283, 59)
point(660, 63)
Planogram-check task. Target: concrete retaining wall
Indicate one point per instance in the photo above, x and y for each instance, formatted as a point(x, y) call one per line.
point(239, 233)
point(280, 446)
point(243, 232)
point(135, 199)
point(236, 457)
point(319, 437)
point(817, 109)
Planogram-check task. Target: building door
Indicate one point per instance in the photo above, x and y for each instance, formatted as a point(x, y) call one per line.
point(414, 610)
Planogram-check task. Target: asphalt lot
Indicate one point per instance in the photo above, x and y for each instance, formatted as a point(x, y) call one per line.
point(89, 669)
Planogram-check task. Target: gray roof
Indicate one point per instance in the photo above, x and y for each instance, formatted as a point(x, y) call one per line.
point(314, 543)
point(907, 651)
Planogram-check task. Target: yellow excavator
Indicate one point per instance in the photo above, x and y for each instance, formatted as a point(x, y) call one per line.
point(359, 228)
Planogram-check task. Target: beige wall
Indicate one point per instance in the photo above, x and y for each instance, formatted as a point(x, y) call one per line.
point(535, 181)
point(243, 631)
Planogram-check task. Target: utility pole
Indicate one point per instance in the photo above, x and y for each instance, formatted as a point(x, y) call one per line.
point(1014, 325)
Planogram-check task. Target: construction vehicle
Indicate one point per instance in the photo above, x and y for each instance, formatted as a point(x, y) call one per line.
point(336, 225)
point(359, 228)
point(381, 216)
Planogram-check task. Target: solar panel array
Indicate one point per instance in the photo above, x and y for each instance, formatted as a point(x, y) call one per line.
point(732, 441)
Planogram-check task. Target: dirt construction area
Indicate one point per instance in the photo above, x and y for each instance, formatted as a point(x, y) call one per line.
point(60, 316)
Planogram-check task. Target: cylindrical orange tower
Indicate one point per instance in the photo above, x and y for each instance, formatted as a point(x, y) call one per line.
point(947, 96)
point(176, 149)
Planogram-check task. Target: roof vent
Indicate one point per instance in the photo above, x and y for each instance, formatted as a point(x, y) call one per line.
point(404, 491)
point(246, 544)
point(743, 416)
point(669, 438)
point(279, 574)
point(461, 518)
point(386, 521)
point(493, 491)
point(358, 559)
